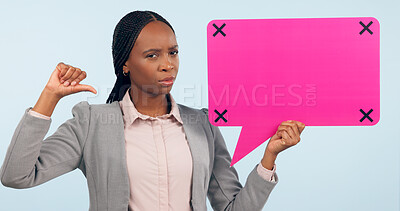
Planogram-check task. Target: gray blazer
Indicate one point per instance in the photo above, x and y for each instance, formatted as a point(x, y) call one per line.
point(93, 141)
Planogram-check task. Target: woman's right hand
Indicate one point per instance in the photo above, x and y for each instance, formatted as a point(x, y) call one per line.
point(65, 80)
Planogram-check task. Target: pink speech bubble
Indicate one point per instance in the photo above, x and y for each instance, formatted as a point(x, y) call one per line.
point(320, 71)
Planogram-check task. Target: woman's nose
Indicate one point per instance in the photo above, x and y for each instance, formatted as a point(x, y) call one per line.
point(166, 64)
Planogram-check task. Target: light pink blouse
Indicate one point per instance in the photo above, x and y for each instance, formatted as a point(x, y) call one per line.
point(159, 161)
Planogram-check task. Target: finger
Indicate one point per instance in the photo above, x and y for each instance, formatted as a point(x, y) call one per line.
point(74, 76)
point(279, 134)
point(283, 135)
point(294, 127)
point(288, 141)
point(79, 78)
point(285, 138)
point(291, 133)
point(289, 130)
point(67, 75)
point(301, 126)
point(63, 68)
point(60, 65)
point(84, 87)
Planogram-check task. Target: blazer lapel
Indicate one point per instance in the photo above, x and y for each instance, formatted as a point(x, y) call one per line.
point(196, 137)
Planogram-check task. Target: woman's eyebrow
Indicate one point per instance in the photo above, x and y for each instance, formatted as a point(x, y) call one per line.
point(158, 50)
point(173, 47)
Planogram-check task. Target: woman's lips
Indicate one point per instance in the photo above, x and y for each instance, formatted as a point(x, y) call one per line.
point(168, 81)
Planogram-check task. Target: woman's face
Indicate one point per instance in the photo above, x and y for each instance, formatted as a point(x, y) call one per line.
point(153, 58)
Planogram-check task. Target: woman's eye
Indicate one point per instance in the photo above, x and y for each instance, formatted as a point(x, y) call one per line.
point(151, 56)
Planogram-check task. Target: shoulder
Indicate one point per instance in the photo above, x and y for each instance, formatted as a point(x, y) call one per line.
point(190, 113)
point(196, 116)
point(187, 109)
point(98, 114)
point(84, 108)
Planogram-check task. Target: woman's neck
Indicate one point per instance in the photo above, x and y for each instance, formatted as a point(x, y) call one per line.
point(150, 105)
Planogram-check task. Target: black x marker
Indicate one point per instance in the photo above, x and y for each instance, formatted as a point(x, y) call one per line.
point(220, 116)
point(219, 30)
point(365, 27)
point(366, 115)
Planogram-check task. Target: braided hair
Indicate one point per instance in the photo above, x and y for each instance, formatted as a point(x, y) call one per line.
point(124, 38)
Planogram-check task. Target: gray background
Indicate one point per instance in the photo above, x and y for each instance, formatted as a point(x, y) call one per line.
point(333, 168)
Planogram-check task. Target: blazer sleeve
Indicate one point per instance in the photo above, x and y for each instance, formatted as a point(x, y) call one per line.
point(31, 161)
point(225, 191)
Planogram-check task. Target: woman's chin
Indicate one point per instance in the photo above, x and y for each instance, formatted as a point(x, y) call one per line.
point(166, 89)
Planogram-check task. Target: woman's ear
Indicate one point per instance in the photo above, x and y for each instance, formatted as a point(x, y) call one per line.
point(125, 68)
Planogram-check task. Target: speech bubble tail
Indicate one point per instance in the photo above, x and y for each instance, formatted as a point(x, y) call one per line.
point(250, 138)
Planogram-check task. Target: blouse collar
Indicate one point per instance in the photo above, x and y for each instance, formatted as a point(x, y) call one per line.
point(130, 113)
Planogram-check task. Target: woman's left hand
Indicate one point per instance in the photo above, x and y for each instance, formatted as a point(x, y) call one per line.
point(287, 135)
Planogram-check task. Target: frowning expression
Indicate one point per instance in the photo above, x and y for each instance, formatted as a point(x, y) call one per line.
point(153, 62)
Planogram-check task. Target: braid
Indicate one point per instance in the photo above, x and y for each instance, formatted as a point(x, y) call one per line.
point(124, 38)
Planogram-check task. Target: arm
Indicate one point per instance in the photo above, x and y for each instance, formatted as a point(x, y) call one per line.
point(225, 191)
point(31, 161)
point(266, 173)
point(39, 115)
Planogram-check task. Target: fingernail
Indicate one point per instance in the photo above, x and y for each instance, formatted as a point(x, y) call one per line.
point(66, 83)
point(73, 83)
